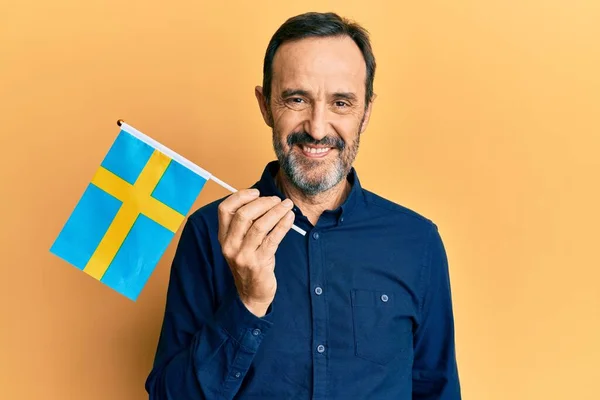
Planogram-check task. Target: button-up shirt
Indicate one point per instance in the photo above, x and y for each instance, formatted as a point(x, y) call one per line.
point(363, 310)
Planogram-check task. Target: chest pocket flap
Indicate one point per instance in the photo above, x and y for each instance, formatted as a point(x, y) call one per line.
point(383, 325)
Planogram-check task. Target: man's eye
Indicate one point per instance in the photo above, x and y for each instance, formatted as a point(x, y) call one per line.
point(341, 104)
point(295, 100)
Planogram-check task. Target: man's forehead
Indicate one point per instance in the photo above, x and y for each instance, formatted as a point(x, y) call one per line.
point(333, 58)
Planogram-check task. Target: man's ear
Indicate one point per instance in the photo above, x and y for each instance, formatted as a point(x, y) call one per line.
point(264, 107)
point(367, 115)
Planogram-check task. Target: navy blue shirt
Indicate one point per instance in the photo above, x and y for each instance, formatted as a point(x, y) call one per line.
point(363, 310)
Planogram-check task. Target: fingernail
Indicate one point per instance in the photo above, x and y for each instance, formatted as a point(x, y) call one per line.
point(288, 203)
point(254, 192)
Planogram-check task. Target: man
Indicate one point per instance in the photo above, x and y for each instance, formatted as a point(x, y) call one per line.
point(358, 308)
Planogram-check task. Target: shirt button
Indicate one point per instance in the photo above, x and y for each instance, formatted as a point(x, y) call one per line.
point(256, 332)
point(316, 235)
point(341, 219)
point(237, 374)
point(384, 298)
point(318, 290)
point(320, 348)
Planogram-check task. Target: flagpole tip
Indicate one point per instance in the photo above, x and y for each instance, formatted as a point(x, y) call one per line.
point(120, 122)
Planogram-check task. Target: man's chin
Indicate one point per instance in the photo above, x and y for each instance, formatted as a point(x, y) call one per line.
point(312, 176)
point(313, 183)
point(313, 171)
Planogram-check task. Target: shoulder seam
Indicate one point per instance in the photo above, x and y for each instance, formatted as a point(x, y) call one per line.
point(426, 266)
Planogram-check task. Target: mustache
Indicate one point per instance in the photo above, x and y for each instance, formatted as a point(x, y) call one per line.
point(304, 138)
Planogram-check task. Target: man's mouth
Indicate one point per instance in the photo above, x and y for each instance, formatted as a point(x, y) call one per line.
point(315, 151)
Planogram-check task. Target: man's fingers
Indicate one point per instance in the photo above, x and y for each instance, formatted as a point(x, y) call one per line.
point(246, 215)
point(230, 205)
point(273, 239)
point(263, 225)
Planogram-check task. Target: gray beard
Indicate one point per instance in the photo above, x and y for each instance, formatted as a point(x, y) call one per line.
point(292, 165)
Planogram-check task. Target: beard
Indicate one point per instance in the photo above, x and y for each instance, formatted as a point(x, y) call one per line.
point(315, 176)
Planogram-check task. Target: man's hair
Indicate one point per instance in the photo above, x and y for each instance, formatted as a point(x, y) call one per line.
point(313, 24)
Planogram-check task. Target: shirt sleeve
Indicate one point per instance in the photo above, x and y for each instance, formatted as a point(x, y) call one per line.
point(435, 371)
point(207, 342)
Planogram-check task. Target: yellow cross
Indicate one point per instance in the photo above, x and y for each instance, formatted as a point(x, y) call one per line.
point(136, 200)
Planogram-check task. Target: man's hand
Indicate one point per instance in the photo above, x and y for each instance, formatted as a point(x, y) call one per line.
point(250, 230)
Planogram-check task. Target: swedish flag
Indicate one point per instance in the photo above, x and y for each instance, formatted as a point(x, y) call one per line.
point(129, 212)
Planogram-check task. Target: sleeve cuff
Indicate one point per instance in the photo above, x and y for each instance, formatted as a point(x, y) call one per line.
point(240, 324)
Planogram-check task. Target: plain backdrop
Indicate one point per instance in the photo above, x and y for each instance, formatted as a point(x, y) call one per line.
point(486, 122)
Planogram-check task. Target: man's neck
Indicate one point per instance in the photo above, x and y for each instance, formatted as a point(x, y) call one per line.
point(313, 206)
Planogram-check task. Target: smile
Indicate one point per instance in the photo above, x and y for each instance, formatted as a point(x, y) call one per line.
point(315, 152)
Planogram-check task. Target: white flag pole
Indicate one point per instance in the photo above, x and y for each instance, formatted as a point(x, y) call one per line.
point(184, 161)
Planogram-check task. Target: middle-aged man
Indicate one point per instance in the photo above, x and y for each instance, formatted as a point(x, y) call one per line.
point(358, 308)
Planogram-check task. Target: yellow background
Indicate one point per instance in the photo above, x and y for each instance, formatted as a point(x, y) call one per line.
point(486, 121)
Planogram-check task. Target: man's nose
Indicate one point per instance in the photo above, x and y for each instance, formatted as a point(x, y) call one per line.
point(316, 124)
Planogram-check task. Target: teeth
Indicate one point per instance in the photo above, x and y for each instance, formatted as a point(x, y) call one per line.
point(314, 150)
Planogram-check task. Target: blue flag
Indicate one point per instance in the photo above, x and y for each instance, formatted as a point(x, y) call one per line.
point(130, 212)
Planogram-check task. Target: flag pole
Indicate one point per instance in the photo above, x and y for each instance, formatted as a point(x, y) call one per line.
point(228, 187)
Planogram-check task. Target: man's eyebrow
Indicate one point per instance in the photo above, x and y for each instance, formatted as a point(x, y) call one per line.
point(293, 92)
point(345, 95)
point(301, 92)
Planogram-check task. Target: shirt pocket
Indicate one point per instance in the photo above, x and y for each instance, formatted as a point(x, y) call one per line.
point(383, 327)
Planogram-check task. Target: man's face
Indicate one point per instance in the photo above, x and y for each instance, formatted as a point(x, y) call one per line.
point(317, 110)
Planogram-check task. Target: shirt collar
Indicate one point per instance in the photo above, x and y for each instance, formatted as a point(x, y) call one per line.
point(268, 187)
